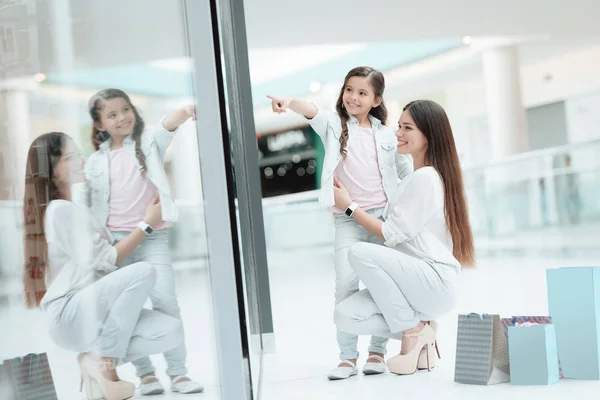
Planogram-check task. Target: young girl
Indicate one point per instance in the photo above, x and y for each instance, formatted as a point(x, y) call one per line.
point(360, 151)
point(125, 173)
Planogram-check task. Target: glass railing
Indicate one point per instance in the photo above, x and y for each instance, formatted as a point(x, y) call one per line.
point(549, 189)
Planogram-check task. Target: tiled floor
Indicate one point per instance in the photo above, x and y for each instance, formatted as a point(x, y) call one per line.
point(302, 287)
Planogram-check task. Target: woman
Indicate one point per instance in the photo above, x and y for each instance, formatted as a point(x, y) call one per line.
point(92, 307)
point(412, 281)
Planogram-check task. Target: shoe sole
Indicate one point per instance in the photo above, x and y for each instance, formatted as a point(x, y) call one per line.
point(373, 372)
point(154, 392)
point(335, 378)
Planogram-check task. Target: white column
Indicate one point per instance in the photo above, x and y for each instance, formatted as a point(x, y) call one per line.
point(506, 115)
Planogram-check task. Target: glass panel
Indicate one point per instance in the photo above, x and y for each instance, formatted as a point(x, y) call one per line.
point(54, 56)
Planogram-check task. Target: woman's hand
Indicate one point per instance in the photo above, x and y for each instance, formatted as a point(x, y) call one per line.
point(279, 105)
point(342, 197)
point(153, 215)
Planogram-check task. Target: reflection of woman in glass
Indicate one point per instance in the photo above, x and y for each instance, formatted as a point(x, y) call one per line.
point(125, 173)
point(428, 237)
point(92, 306)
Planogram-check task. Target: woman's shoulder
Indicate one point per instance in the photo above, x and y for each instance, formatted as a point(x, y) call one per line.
point(59, 207)
point(426, 176)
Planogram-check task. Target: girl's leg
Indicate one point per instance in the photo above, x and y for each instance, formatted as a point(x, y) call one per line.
point(347, 233)
point(155, 250)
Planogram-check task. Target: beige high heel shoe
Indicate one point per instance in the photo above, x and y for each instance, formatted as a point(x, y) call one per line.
point(92, 391)
point(97, 386)
point(429, 361)
point(406, 364)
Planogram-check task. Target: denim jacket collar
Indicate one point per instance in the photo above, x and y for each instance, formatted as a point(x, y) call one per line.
point(375, 123)
point(104, 146)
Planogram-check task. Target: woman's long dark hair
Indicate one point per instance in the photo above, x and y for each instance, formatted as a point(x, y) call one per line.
point(441, 154)
point(95, 105)
point(377, 81)
point(40, 189)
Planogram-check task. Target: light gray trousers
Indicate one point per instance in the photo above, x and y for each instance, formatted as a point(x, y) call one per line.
point(400, 292)
point(348, 232)
point(107, 317)
point(155, 250)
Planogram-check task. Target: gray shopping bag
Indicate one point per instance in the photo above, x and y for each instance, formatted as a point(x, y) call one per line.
point(481, 350)
point(30, 377)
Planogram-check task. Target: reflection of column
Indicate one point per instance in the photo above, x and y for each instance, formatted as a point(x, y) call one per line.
point(18, 135)
point(506, 115)
point(64, 63)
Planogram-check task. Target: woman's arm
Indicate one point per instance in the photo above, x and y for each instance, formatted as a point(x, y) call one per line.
point(126, 246)
point(342, 201)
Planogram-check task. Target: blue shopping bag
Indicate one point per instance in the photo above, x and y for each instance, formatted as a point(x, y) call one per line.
point(574, 305)
point(532, 354)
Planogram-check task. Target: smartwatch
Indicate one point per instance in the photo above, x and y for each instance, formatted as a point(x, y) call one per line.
point(147, 229)
point(351, 208)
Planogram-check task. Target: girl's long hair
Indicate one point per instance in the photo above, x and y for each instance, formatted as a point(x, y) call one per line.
point(95, 105)
point(40, 189)
point(441, 154)
point(377, 81)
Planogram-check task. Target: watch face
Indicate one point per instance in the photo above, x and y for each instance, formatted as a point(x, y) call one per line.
point(348, 212)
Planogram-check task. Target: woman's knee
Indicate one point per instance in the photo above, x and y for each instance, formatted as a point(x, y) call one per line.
point(359, 253)
point(144, 273)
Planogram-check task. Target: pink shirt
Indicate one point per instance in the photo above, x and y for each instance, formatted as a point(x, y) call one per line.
point(359, 172)
point(130, 193)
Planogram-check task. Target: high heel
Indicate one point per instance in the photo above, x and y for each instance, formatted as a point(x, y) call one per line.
point(423, 361)
point(92, 390)
point(406, 364)
point(97, 386)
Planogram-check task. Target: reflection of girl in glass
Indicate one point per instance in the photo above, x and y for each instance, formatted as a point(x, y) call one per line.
point(93, 307)
point(125, 173)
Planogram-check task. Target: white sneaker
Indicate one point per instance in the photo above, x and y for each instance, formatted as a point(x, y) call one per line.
point(185, 387)
point(151, 388)
point(374, 368)
point(344, 371)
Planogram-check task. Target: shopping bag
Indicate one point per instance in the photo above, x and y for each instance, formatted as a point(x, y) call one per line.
point(574, 305)
point(540, 320)
point(481, 350)
point(30, 377)
point(533, 356)
point(7, 388)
